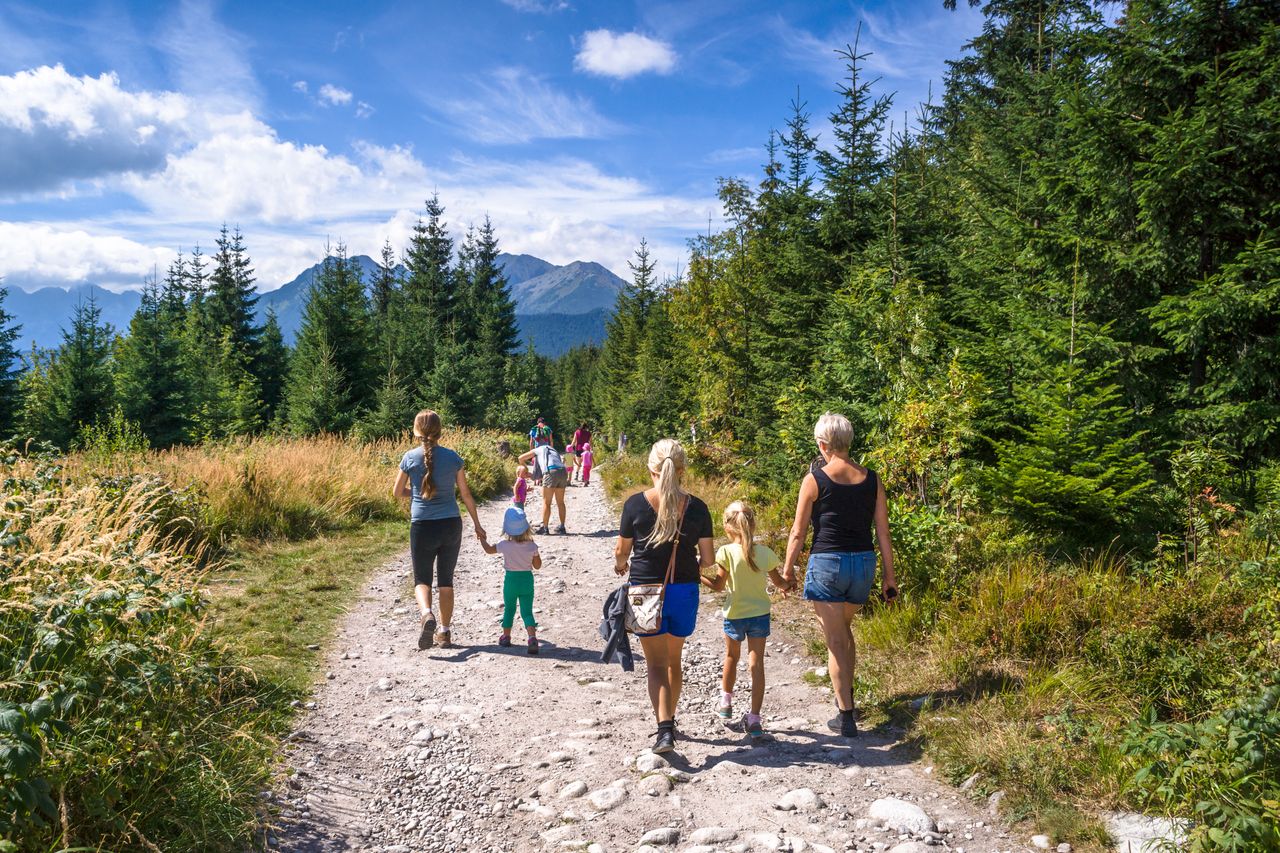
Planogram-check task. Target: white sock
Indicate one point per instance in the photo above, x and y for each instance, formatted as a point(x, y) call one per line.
point(444, 627)
point(726, 697)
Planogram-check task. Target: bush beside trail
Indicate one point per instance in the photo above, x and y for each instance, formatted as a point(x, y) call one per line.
point(125, 722)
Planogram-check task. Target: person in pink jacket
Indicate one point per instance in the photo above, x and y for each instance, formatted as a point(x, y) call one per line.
point(586, 459)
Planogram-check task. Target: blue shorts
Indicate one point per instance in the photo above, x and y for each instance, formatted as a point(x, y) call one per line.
point(749, 626)
point(679, 610)
point(840, 577)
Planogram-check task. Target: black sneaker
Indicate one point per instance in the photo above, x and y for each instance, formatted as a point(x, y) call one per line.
point(664, 742)
point(542, 530)
point(560, 529)
point(849, 723)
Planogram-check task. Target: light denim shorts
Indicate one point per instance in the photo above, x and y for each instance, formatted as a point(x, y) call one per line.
point(843, 577)
point(748, 626)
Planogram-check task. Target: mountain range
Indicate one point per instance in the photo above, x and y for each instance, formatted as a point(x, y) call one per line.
point(557, 307)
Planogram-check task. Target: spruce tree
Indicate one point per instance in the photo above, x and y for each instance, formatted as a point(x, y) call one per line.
point(231, 297)
point(386, 282)
point(82, 385)
point(317, 393)
point(273, 367)
point(334, 321)
point(10, 402)
point(152, 393)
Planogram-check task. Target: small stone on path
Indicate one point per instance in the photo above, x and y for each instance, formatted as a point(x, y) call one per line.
point(801, 799)
point(902, 816)
point(662, 836)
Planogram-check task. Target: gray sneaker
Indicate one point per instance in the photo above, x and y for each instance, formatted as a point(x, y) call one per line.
point(560, 529)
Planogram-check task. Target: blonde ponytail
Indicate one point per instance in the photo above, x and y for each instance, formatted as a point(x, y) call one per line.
point(426, 428)
point(667, 460)
point(740, 523)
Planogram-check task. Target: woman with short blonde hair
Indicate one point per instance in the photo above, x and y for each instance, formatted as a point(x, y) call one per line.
point(844, 502)
point(665, 526)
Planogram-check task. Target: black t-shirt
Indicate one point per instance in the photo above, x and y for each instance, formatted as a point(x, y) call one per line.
point(649, 562)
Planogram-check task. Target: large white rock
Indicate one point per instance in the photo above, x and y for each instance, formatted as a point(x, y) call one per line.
point(902, 816)
point(801, 799)
point(712, 835)
point(647, 762)
point(603, 799)
point(572, 790)
point(661, 836)
point(1139, 833)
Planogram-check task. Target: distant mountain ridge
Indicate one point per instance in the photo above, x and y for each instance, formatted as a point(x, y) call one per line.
point(558, 307)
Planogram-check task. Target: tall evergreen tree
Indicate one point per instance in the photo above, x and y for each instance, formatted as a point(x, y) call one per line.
point(81, 382)
point(231, 297)
point(152, 393)
point(273, 367)
point(335, 322)
point(10, 402)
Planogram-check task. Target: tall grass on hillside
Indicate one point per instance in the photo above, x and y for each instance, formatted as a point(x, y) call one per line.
point(122, 725)
point(290, 488)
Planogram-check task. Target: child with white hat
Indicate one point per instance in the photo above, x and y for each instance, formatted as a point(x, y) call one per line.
point(520, 557)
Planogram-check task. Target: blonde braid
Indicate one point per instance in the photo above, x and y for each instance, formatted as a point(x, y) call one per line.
point(426, 428)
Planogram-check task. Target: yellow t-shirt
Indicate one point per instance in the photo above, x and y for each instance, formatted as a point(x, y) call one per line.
point(746, 594)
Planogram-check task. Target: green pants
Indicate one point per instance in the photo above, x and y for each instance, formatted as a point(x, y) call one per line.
point(517, 587)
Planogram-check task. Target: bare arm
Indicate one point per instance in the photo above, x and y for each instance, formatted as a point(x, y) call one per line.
point(719, 580)
point(525, 457)
point(621, 553)
point(488, 549)
point(403, 488)
point(800, 527)
point(706, 553)
point(470, 503)
point(882, 538)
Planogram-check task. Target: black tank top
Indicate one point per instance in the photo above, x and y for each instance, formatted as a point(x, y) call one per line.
point(843, 514)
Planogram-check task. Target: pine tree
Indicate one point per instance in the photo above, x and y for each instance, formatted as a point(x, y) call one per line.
point(392, 408)
point(152, 393)
point(317, 395)
point(10, 402)
point(82, 388)
point(624, 333)
point(231, 297)
point(386, 282)
point(273, 367)
point(335, 321)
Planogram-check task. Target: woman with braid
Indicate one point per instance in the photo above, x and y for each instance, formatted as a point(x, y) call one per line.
point(428, 476)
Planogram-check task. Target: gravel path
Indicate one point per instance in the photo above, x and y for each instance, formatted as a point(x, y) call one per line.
point(489, 749)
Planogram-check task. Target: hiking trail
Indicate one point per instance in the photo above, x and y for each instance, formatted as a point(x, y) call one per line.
point(489, 749)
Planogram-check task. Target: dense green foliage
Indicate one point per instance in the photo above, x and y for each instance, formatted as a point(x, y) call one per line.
point(1050, 309)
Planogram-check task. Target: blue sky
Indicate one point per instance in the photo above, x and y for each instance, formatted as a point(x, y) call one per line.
point(130, 130)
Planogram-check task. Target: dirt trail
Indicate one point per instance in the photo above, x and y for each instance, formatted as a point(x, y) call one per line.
point(482, 748)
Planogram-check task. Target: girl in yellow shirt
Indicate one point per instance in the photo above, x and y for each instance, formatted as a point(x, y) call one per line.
point(743, 566)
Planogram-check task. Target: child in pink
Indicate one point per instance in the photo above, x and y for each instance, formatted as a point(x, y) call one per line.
point(520, 489)
point(586, 460)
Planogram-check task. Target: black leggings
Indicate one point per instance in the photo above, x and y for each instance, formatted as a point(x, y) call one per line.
point(435, 543)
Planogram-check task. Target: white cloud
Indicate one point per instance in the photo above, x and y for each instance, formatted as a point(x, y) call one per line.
point(38, 253)
point(333, 95)
point(210, 62)
point(543, 7)
point(364, 110)
point(301, 86)
point(56, 128)
point(516, 106)
point(623, 55)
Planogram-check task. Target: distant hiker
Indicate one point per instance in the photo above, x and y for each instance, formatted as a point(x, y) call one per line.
point(844, 501)
point(743, 565)
point(520, 488)
point(581, 436)
point(554, 480)
point(570, 462)
point(587, 460)
point(622, 442)
point(541, 435)
point(665, 538)
point(429, 476)
point(519, 557)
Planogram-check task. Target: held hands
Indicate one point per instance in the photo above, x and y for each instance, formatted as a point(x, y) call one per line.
point(481, 535)
point(620, 569)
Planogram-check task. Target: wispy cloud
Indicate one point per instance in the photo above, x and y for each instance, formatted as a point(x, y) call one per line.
point(623, 55)
point(209, 61)
point(539, 7)
point(514, 105)
point(332, 95)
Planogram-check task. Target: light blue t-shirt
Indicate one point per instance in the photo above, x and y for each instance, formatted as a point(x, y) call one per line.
point(445, 468)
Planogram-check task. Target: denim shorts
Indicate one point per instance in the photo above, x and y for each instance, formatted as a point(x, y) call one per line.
point(679, 610)
point(843, 577)
point(749, 626)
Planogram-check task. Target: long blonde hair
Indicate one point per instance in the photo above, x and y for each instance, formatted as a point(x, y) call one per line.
point(740, 523)
point(426, 428)
point(667, 460)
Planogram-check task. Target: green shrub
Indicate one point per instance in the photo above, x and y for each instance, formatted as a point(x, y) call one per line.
point(119, 717)
point(1225, 770)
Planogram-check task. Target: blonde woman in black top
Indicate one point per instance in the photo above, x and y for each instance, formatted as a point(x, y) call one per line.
point(844, 501)
point(653, 523)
